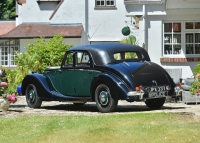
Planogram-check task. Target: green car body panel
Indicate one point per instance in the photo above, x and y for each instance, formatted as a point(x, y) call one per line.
point(72, 82)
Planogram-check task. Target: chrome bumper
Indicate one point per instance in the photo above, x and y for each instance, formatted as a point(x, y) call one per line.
point(135, 93)
point(140, 93)
point(178, 91)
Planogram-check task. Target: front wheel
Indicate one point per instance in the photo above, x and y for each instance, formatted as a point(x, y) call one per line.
point(32, 98)
point(155, 103)
point(104, 101)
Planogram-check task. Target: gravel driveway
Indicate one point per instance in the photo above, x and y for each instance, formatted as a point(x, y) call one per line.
point(20, 108)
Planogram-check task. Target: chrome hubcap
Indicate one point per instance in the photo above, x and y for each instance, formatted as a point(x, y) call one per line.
point(31, 95)
point(103, 96)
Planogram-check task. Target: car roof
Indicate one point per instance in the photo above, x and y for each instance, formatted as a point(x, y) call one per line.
point(102, 54)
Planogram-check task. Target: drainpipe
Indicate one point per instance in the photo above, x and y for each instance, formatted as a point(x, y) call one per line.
point(144, 27)
point(86, 21)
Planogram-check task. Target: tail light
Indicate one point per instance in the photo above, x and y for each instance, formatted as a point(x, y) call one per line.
point(179, 84)
point(139, 88)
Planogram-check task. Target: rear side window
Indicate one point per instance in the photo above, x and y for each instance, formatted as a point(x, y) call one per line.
point(127, 55)
point(83, 59)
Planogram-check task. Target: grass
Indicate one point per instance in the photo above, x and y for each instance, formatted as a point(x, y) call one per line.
point(121, 128)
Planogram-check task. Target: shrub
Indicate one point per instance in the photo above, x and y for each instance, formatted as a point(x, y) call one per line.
point(130, 40)
point(197, 69)
point(195, 86)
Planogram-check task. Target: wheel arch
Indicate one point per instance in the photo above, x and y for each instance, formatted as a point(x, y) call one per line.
point(114, 83)
point(39, 82)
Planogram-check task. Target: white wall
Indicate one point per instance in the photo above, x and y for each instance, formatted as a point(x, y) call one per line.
point(155, 40)
point(31, 11)
point(70, 11)
point(106, 25)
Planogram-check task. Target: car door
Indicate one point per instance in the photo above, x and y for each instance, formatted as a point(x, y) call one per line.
point(65, 79)
point(84, 74)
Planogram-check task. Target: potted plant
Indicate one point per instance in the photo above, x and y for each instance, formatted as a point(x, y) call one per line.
point(6, 98)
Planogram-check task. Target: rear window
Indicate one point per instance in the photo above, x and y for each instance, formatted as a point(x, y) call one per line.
point(127, 55)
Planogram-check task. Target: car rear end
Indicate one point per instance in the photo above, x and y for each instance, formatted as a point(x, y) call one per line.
point(149, 80)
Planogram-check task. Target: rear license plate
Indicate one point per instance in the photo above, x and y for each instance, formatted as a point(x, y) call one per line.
point(157, 89)
point(156, 94)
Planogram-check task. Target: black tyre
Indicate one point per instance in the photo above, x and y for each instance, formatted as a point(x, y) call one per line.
point(155, 103)
point(32, 98)
point(79, 104)
point(104, 101)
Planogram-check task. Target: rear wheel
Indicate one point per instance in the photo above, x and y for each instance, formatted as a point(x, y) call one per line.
point(104, 101)
point(32, 98)
point(155, 103)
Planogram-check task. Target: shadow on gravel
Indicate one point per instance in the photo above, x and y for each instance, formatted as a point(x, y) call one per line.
point(18, 106)
point(71, 107)
point(93, 108)
point(18, 111)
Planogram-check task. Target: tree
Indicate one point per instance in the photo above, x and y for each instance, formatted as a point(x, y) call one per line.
point(7, 9)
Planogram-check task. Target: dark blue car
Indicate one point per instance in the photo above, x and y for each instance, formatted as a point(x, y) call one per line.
point(101, 73)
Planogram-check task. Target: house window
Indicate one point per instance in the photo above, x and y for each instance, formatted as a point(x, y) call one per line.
point(192, 43)
point(181, 38)
point(8, 49)
point(105, 3)
point(172, 38)
point(192, 38)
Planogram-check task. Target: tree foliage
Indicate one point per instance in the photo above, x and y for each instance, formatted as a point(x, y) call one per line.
point(38, 56)
point(7, 9)
point(129, 40)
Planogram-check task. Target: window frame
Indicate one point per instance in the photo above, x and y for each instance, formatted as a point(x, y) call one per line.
point(172, 46)
point(77, 60)
point(105, 5)
point(183, 42)
point(8, 56)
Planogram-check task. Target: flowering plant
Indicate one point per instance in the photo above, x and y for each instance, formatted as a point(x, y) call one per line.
point(3, 87)
point(195, 86)
point(11, 97)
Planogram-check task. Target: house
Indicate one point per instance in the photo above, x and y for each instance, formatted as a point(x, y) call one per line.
point(168, 29)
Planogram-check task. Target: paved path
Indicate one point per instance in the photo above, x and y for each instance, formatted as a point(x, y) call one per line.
point(20, 108)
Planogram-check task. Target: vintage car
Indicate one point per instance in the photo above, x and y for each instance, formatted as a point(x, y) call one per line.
point(101, 73)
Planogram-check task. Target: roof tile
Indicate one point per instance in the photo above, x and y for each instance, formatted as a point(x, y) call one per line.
point(6, 26)
point(21, 1)
point(35, 30)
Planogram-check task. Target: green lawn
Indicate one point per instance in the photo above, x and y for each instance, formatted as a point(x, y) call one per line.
point(105, 128)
